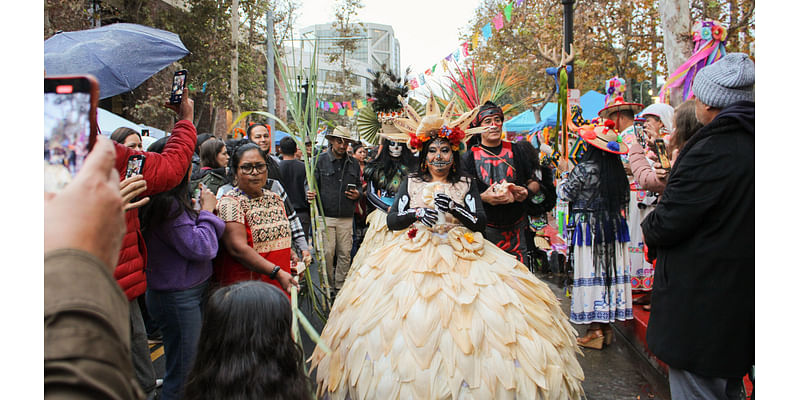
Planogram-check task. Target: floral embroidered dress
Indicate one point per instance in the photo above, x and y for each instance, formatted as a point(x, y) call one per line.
point(268, 232)
point(640, 204)
point(442, 313)
point(602, 283)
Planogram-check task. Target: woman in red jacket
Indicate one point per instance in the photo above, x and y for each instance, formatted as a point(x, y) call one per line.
point(161, 172)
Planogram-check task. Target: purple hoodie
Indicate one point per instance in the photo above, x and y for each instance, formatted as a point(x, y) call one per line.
point(179, 253)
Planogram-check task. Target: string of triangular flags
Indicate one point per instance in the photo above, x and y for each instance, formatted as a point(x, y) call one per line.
point(343, 107)
point(498, 22)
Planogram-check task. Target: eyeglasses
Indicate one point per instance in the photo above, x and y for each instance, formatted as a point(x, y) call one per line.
point(249, 168)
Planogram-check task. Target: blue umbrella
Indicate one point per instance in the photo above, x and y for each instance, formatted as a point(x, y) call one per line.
point(120, 56)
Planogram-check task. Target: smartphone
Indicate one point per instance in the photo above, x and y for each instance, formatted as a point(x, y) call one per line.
point(145, 132)
point(351, 186)
point(70, 126)
point(661, 150)
point(135, 165)
point(178, 85)
point(638, 129)
point(196, 197)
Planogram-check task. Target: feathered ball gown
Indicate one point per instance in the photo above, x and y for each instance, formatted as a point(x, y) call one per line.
point(442, 313)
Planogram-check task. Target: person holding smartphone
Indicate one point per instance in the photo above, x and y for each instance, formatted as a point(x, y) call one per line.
point(181, 242)
point(338, 177)
point(82, 239)
point(161, 172)
point(658, 123)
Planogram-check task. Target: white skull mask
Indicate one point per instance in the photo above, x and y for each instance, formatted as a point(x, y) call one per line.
point(395, 149)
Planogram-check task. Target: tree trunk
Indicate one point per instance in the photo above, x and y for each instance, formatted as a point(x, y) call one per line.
point(676, 24)
point(733, 39)
point(235, 58)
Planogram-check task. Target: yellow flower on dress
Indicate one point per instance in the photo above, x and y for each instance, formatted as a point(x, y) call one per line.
point(470, 238)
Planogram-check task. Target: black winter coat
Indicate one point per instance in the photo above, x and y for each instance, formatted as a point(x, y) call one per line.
point(703, 301)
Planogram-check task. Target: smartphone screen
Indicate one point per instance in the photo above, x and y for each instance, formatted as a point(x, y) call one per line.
point(638, 130)
point(178, 84)
point(70, 106)
point(135, 163)
point(662, 154)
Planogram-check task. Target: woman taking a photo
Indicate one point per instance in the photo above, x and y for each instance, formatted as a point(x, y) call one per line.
point(258, 238)
point(658, 124)
point(181, 243)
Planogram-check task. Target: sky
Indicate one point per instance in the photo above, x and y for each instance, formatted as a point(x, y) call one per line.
point(428, 30)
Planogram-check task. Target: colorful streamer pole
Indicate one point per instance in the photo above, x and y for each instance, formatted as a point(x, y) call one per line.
point(709, 46)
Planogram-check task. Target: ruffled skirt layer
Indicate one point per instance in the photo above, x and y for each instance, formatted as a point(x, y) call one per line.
point(446, 316)
point(377, 235)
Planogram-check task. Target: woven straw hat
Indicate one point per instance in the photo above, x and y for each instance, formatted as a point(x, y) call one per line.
point(604, 137)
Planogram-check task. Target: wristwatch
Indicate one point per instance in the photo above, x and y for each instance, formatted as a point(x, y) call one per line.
point(274, 272)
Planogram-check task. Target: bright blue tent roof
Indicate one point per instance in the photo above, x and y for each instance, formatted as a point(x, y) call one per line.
point(277, 136)
point(591, 103)
point(526, 120)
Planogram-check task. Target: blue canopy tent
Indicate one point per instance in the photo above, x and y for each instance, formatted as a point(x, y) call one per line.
point(591, 103)
point(277, 136)
point(521, 122)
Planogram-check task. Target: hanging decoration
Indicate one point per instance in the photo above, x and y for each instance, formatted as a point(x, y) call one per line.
point(498, 22)
point(709, 46)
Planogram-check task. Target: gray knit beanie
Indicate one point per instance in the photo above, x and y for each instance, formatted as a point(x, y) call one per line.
point(727, 81)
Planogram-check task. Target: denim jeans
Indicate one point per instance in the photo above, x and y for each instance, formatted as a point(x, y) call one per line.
point(140, 353)
point(179, 316)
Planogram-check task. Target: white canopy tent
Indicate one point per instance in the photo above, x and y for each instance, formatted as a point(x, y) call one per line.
point(108, 122)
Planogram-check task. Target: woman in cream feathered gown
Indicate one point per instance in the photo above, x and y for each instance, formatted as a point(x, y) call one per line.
point(439, 312)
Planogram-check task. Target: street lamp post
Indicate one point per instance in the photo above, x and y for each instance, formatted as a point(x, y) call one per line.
point(641, 90)
point(568, 8)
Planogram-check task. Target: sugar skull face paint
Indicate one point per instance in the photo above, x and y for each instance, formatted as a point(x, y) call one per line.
point(440, 156)
point(395, 149)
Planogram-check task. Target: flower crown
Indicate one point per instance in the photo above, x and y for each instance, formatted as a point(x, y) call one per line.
point(453, 135)
point(437, 125)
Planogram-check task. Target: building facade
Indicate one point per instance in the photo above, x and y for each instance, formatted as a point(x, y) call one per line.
point(376, 45)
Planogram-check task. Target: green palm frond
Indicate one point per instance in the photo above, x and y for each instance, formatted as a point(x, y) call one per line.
point(368, 125)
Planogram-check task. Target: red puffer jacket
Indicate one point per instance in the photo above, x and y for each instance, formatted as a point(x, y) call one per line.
point(162, 172)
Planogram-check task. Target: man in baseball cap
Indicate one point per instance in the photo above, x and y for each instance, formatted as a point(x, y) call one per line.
point(702, 322)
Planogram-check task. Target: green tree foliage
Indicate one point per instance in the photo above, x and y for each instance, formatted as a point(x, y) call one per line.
point(205, 31)
point(611, 37)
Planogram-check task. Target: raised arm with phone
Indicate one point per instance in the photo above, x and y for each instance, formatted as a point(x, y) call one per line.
point(161, 173)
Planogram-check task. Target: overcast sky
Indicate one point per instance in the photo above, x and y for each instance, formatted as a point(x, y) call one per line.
point(428, 30)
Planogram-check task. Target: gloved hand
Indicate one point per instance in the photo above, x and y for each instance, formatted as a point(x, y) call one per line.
point(427, 216)
point(445, 204)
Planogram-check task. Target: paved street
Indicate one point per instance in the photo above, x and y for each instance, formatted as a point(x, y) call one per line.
point(612, 373)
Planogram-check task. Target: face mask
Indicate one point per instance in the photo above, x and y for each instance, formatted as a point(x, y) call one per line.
point(395, 149)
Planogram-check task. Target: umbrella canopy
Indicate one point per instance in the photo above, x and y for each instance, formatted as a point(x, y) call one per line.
point(108, 122)
point(120, 56)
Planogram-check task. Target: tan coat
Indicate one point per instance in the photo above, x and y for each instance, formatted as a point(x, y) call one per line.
point(86, 330)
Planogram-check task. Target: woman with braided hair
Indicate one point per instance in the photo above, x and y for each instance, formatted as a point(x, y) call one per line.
point(597, 190)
